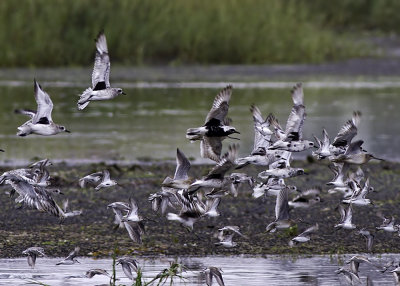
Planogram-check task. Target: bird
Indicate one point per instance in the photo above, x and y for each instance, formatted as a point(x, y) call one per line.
point(387, 224)
point(103, 177)
point(345, 218)
point(32, 253)
point(355, 262)
point(101, 88)
point(304, 236)
point(40, 122)
point(349, 275)
point(358, 197)
point(181, 179)
point(306, 198)
point(96, 271)
point(368, 237)
point(126, 216)
point(128, 265)
point(162, 199)
point(286, 172)
point(324, 146)
point(396, 275)
point(355, 155)
point(216, 128)
point(213, 272)
point(292, 138)
point(216, 177)
point(71, 258)
point(346, 133)
point(260, 155)
point(282, 219)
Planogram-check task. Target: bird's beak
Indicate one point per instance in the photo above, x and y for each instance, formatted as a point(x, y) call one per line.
point(1, 150)
point(236, 132)
point(123, 93)
point(66, 130)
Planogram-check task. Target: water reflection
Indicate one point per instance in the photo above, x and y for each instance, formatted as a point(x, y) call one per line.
point(273, 270)
point(151, 123)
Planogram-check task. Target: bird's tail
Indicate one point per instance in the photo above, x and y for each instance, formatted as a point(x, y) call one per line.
point(194, 134)
point(84, 98)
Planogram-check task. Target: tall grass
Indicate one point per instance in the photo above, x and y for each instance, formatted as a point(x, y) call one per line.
point(61, 32)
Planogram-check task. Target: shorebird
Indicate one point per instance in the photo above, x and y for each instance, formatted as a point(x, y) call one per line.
point(262, 141)
point(286, 172)
point(349, 275)
point(271, 187)
point(292, 138)
point(304, 236)
point(355, 263)
point(355, 155)
point(103, 177)
point(368, 237)
point(216, 177)
point(32, 253)
point(345, 218)
point(216, 127)
point(323, 151)
point(40, 121)
point(306, 198)
point(71, 258)
point(212, 207)
point(129, 265)
point(130, 220)
point(101, 88)
point(387, 224)
point(358, 197)
point(181, 179)
point(97, 271)
point(162, 199)
point(282, 219)
point(226, 234)
point(213, 272)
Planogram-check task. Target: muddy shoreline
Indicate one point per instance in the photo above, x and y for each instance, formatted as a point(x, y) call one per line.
point(93, 230)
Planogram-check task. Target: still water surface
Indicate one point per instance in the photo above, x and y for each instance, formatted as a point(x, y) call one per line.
point(273, 270)
point(151, 122)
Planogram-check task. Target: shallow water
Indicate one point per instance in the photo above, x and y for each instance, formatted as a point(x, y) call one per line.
point(273, 270)
point(151, 122)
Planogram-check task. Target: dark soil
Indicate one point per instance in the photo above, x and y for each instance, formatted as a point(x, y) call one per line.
point(94, 230)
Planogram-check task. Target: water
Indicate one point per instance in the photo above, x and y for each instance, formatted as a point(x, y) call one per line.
point(273, 270)
point(149, 123)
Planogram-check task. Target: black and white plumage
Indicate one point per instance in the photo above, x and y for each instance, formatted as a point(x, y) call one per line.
point(260, 155)
point(71, 258)
point(129, 265)
point(40, 122)
point(346, 217)
point(211, 273)
point(33, 253)
point(216, 177)
point(101, 88)
point(103, 177)
point(292, 138)
point(216, 128)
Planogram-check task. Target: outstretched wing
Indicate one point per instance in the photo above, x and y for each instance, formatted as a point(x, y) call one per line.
point(182, 166)
point(45, 105)
point(220, 107)
point(101, 70)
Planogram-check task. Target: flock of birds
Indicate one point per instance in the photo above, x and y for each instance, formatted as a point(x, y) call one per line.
point(187, 200)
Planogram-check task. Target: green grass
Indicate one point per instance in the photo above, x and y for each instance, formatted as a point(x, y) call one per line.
point(61, 32)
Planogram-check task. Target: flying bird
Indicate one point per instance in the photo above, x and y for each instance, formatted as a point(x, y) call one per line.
point(40, 122)
point(101, 88)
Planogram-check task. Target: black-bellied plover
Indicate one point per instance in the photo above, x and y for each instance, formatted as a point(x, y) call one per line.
point(41, 122)
point(101, 88)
